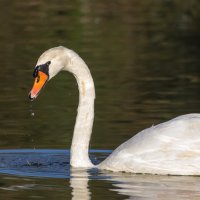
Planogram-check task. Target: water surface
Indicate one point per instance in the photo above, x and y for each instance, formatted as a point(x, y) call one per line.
point(46, 174)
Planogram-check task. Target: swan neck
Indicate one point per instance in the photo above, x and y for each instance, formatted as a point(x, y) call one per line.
point(85, 114)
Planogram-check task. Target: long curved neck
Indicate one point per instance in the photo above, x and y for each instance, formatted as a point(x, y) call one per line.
point(85, 115)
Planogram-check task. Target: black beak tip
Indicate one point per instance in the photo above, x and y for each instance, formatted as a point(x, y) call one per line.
point(30, 97)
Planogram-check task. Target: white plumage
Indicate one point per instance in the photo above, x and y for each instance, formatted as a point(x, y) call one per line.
point(172, 147)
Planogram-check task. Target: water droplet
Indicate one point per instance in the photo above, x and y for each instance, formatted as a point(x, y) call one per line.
point(31, 111)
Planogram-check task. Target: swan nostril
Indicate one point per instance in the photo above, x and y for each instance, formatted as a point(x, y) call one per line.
point(38, 78)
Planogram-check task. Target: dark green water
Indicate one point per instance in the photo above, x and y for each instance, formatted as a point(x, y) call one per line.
point(144, 58)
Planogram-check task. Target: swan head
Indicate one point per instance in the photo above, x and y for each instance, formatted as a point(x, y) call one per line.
point(48, 65)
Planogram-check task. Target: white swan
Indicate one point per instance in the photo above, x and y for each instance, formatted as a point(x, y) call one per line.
point(172, 147)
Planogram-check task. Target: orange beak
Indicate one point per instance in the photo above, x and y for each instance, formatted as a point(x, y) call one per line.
point(39, 83)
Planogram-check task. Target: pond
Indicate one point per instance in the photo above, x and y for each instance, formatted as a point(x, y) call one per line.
point(144, 58)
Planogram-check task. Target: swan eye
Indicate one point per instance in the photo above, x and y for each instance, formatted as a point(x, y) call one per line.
point(35, 72)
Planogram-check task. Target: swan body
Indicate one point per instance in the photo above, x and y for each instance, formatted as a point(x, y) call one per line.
point(171, 148)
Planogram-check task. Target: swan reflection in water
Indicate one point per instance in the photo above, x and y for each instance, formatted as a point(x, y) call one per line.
point(79, 184)
point(137, 186)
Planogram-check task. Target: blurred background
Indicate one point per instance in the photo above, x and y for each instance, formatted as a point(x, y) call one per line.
point(144, 57)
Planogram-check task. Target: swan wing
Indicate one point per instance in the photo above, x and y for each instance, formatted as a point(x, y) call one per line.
point(172, 147)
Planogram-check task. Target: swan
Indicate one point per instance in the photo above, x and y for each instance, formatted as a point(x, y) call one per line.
point(169, 148)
